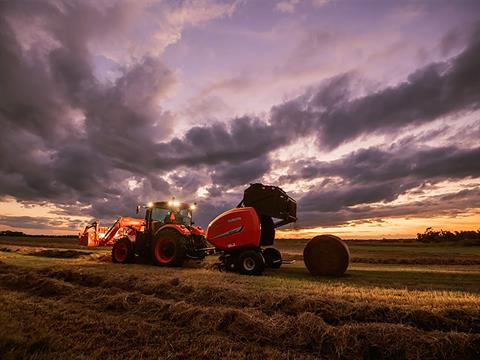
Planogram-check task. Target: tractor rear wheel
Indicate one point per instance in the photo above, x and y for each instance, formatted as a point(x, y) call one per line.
point(168, 248)
point(273, 258)
point(251, 262)
point(122, 251)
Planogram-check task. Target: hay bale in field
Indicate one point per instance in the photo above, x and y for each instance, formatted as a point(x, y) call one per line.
point(326, 255)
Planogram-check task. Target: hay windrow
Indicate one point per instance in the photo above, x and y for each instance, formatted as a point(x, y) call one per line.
point(331, 311)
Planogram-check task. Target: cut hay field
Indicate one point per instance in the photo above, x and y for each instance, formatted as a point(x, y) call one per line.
point(397, 300)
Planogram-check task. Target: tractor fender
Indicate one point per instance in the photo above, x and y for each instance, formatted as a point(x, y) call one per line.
point(181, 229)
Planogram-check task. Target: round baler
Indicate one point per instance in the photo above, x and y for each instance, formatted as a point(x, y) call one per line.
point(245, 235)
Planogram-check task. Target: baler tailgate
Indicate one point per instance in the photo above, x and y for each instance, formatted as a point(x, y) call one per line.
point(271, 201)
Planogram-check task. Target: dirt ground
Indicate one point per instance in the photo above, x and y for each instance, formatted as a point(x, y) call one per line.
point(59, 300)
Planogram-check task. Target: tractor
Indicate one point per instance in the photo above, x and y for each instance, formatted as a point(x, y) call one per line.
point(168, 237)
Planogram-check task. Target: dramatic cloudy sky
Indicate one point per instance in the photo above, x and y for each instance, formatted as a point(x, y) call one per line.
point(366, 112)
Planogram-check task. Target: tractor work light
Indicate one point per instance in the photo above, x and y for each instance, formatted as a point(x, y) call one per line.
point(150, 204)
point(193, 207)
point(176, 203)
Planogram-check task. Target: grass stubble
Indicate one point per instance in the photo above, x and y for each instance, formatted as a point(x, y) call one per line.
point(78, 305)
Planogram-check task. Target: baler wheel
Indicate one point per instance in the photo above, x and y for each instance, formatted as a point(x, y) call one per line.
point(326, 255)
point(273, 258)
point(122, 251)
point(251, 262)
point(168, 248)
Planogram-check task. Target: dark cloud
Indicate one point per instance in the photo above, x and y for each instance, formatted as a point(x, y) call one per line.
point(376, 175)
point(65, 134)
point(375, 164)
point(451, 205)
point(430, 93)
point(239, 174)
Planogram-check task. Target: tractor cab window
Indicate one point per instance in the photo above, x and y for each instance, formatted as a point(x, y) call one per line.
point(179, 216)
point(159, 214)
point(185, 217)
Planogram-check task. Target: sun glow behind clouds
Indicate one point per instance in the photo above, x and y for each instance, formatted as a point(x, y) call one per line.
point(41, 218)
point(391, 228)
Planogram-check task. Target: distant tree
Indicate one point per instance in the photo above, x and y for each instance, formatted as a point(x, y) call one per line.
point(11, 233)
point(469, 237)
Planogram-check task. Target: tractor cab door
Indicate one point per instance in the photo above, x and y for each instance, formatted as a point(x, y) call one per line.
point(157, 219)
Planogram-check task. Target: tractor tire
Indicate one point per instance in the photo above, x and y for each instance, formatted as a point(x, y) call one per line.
point(168, 248)
point(273, 258)
point(326, 255)
point(251, 262)
point(123, 251)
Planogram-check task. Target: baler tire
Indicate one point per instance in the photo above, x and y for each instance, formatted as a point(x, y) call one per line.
point(273, 258)
point(123, 251)
point(168, 249)
point(251, 262)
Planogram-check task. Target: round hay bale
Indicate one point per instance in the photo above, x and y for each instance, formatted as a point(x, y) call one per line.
point(326, 255)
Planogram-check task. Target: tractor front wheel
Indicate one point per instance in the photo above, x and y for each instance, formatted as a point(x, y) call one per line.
point(122, 251)
point(168, 248)
point(251, 262)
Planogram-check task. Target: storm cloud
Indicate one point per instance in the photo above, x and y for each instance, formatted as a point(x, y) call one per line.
point(376, 175)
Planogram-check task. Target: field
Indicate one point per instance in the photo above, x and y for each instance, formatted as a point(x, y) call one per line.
point(397, 300)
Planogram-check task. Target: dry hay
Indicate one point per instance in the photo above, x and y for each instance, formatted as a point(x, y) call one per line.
point(131, 317)
point(326, 255)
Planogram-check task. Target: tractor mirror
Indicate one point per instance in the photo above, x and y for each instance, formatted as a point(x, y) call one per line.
point(138, 208)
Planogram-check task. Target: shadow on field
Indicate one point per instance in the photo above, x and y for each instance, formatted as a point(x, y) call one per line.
point(60, 254)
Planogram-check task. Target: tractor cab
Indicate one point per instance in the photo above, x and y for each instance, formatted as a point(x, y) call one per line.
point(168, 212)
point(161, 213)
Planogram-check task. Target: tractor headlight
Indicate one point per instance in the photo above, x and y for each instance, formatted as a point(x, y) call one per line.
point(193, 207)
